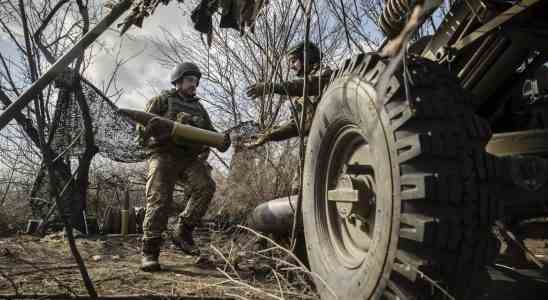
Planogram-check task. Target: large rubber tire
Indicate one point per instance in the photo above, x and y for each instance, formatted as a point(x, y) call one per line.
point(396, 190)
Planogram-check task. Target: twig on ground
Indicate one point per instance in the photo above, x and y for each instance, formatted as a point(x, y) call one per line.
point(276, 244)
point(267, 250)
point(226, 261)
point(236, 296)
point(99, 281)
point(147, 290)
point(217, 284)
point(433, 282)
point(285, 262)
point(69, 267)
point(230, 252)
point(305, 269)
point(33, 265)
point(12, 283)
point(295, 268)
point(239, 282)
point(290, 293)
point(276, 275)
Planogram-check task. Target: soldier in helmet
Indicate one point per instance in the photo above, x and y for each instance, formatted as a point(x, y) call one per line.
point(318, 77)
point(169, 164)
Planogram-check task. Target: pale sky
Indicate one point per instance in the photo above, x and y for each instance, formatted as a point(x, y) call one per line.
point(139, 74)
point(141, 77)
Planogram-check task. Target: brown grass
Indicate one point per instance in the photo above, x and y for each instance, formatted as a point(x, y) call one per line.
point(31, 265)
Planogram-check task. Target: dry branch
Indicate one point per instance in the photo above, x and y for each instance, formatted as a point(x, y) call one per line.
point(10, 280)
point(41, 270)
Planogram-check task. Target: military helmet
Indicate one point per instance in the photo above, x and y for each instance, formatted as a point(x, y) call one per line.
point(298, 50)
point(185, 68)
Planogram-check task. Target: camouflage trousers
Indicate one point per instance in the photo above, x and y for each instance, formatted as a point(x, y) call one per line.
point(164, 171)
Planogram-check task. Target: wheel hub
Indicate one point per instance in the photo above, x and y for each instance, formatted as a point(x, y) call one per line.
point(354, 197)
point(344, 196)
point(351, 203)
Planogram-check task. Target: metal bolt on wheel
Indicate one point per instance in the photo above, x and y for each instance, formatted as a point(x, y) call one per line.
point(391, 200)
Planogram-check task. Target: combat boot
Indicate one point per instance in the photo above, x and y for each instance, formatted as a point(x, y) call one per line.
point(182, 239)
point(151, 253)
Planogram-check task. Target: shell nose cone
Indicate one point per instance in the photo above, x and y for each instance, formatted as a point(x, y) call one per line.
point(274, 216)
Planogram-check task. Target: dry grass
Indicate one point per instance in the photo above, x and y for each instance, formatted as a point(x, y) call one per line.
point(243, 265)
point(30, 265)
point(261, 267)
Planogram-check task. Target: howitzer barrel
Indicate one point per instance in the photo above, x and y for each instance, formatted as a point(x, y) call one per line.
point(180, 133)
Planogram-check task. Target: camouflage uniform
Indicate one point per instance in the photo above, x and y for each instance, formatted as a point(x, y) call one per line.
point(317, 79)
point(170, 164)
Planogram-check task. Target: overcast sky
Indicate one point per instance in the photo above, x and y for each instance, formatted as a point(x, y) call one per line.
point(140, 74)
point(141, 77)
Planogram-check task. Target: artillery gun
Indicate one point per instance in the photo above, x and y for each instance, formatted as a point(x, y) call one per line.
point(412, 160)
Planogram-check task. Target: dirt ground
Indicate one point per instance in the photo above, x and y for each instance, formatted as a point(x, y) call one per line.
point(236, 267)
point(44, 266)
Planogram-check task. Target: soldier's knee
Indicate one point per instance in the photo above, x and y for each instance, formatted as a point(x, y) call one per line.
point(157, 199)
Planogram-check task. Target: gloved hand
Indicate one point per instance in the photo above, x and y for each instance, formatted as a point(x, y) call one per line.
point(256, 90)
point(184, 118)
point(258, 140)
point(192, 120)
point(159, 129)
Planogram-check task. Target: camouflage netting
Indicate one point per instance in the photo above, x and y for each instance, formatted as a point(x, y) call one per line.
point(115, 136)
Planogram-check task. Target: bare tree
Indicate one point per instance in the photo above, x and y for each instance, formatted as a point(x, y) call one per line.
point(38, 33)
point(232, 62)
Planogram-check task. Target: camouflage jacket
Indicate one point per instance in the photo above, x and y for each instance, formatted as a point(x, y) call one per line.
point(183, 110)
point(318, 79)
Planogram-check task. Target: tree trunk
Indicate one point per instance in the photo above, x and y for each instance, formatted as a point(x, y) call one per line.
point(82, 181)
